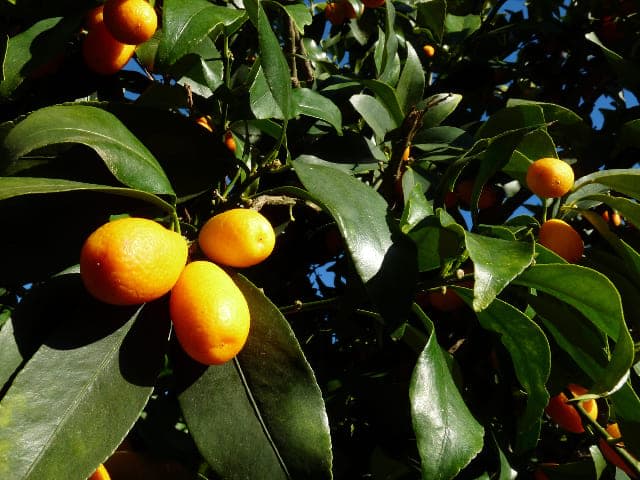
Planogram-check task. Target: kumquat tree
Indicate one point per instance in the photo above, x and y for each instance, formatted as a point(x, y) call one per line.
point(288, 239)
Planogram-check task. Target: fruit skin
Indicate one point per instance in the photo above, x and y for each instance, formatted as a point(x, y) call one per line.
point(238, 237)
point(610, 453)
point(203, 122)
point(130, 21)
point(230, 142)
point(102, 53)
point(130, 261)
point(565, 414)
point(488, 196)
point(560, 237)
point(209, 313)
point(373, 3)
point(335, 13)
point(94, 17)
point(428, 50)
point(101, 473)
point(550, 177)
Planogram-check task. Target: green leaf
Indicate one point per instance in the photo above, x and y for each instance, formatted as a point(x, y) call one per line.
point(460, 27)
point(299, 13)
point(511, 118)
point(496, 263)
point(384, 258)
point(82, 390)
point(123, 154)
point(311, 103)
point(629, 135)
point(390, 64)
point(439, 107)
point(622, 180)
point(272, 60)
point(186, 24)
point(531, 357)
point(431, 16)
point(269, 395)
point(448, 435)
point(263, 104)
point(18, 186)
point(411, 84)
point(627, 71)
point(34, 48)
point(416, 209)
point(534, 145)
point(376, 116)
point(386, 95)
point(593, 295)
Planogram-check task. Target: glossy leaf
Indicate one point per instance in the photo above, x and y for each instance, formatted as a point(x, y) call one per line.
point(123, 154)
point(625, 181)
point(387, 96)
point(593, 295)
point(439, 107)
point(390, 65)
point(372, 111)
point(18, 186)
point(461, 27)
point(511, 118)
point(82, 390)
point(525, 341)
point(32, 49)
point(416, 209)
point(272, 60)
point(186, 24)
point(268, 395)
point(431, 16)
point(263, 104)
point(534, 145)
point(496, 263)
point(448, 435)
point(627, 71)
point(411, 84)
point(311, 103)
point(299, 13)
point(383, 258)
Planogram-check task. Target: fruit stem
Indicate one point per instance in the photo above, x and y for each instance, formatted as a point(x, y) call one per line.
point(175, 222)
point(544, 210)
point(628, 458)
point(226, 55)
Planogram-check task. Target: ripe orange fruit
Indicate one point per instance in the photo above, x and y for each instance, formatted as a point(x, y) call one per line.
point(209, 313)
point(131, 261)
point(406, 153)
point(565, 415)
point(560, 237)
point(488, 196)
point(549, 177)
point(605, 216)
point(203, 122)
point(102, 53)
point(100, 474)
point(94, 17)
point(610, 453)
point(616, 219)
point(229, 141)
point(334, 13)
point(238, 237)
point(130, 21)
point(428, 50)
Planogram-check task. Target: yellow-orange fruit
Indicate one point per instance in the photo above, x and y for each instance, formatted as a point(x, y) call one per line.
point(560, 237)
point(616, 220)
point(229, 141)
point(488, 196)
point(610, 453)
point(238, 237)
point(565, 415)
point(94, 17)
point(203, 122)
point(131, 261)
point(104, 54)
point(130, 21)
point(209, 313)
point(428, 50)
point(550, 177)
point(100, 474)
point(406, 153)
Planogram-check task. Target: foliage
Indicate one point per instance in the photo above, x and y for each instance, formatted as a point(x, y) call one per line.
point(347, 372)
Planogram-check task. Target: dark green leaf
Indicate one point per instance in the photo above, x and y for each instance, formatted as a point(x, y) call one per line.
point(272, 60)
point(593, 295)
point(32, 49)
point(439, 107)
point(384, 259)
point(447, 434)
point(628, 72)
point(386, 95)
point(511, 118)
point(263, 104)
point(411, 84)
point(531, 357)
point(376, 116)
point(186, 24)
point(629, 135)
point(496, 263)
point(431, 16)
point(534, 145)
point(390, 65)
point(125, 156)
point(461, 27)
point(82, 390)
point(311, 103)
point(625, 181)
point(299, 13)
point(17, 186)
point(269, 395)
point(416, 209)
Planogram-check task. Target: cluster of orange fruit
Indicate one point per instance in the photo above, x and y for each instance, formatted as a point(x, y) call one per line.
point(228, 139)
point(339, 11)
point(553, 178)
point(567, 417)
point(130, 261)
point(114, 30)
